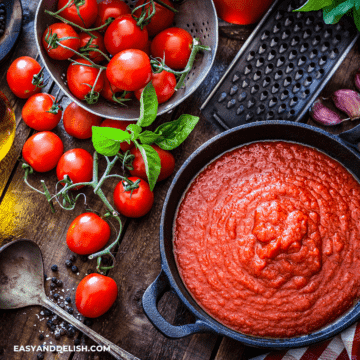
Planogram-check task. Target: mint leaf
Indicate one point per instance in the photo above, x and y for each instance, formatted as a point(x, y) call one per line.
point(152, 164)
point(175, 132)
point(135, 131)
point(107, 141)
point(315, 5)
point(148, 106)
point(148, 137)
point(333, 13)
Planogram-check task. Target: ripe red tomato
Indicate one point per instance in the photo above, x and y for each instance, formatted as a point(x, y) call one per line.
point(95, 295)
point(175, 45)
point(129, 70)
point(77, 164)
point(123, 33)
point(88, 12)
point(41, 113)
point(81, 78)
point(122, 125)
point(87, 234)
point(162, 19)
point(42, 151)
point(20, 77)
point(164, 84)
point(109, 90)
point(136, 203)
point(78, 122)
point(96, 43)
point(111, 8)
point(147, 48)
point(54, 35)
point(167, 161)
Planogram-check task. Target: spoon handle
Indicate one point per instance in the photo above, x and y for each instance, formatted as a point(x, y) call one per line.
point(115, 350)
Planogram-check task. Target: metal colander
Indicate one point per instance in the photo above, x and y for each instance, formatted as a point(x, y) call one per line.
point(197, 17)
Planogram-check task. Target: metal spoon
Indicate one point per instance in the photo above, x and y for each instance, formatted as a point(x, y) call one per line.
point(22, 284)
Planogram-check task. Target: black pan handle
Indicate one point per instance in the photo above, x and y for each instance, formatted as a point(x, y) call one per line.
point(351, 137)
point(150, 300)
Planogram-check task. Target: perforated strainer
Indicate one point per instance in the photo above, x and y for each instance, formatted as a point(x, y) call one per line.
point(197, 17)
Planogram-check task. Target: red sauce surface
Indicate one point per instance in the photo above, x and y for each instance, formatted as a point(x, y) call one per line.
point(266, 239)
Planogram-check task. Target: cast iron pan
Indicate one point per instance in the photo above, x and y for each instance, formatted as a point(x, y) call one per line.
point(342, 148)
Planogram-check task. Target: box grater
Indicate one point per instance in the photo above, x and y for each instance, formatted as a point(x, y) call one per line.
point(282, 67)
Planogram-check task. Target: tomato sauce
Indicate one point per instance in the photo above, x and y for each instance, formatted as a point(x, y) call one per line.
point(267, 237)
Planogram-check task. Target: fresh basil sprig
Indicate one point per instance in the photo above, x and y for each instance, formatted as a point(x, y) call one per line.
point(333, 10)
point(167, 136)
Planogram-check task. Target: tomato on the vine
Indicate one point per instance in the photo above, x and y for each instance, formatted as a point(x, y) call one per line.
point(123, 33)
point(110, 90)
point(87, 234)
point(167, 161)
point(111, 8)
point(164, 84)
point(77, 164)
point(80, 12)
point(81, 79)
point(60, 34)
point(174, 45)
point(122, 125)
point(42, 151)
point(133, 203)
point(95, 295)
point(95, 43)
point(129, 70)
point(78, 122)
point(162, 19)
point(22, 77)
point(41, 113)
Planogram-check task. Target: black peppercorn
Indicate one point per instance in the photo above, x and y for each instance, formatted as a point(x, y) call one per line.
point(74, 269)
point(68, 263)
point(88, 322)
point(47, 312)
point(59, 283)
point(70, 332)
point(68, 299)
point(70, 310)
point(45, 277)
point(77, 342)
point(84, 258)
point(57, 335)
point(49, 323)
point(54, 268)
point(40, 356)
point(56, 296)
point(54, 280)
point(41, 337)
point(53, 327)
point(72, 258)
point(62, 331)
point(52, 286)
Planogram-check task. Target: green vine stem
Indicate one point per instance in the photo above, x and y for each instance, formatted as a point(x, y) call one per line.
point(69, 201)
point(166, 6)
point(160, 66)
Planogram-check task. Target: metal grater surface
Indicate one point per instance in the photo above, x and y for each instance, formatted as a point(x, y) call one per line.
point(282, 67)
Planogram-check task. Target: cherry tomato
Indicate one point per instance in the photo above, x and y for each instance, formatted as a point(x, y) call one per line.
point(87, 234)
point(81, 78)
point(20, 77)
point(123, 33)
point(97, 43)
point(41, 113)
point(42, 151)
point(166, 158)
point(63, 34)
point(78, 122)
point(147, 48)
point(88, 12)
point(162, 19)
point(136, 203)
point(164, 84)
point(122, 125)
point(109, 90)
point(173, 44)
point(77, 164)
point(111, 8)
point(95, 295)
point(129, 70)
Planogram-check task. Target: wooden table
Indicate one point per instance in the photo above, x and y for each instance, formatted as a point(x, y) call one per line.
point(26, 214)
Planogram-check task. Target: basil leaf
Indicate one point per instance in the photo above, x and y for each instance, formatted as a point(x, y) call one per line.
point(135, 131)
point(315, 5)
point(111, 133)
point(148, 137)
point(333, 13)
point(152, 164)
point(176, 132)
point(102, 143)
point(357, 18)
point(148, 106)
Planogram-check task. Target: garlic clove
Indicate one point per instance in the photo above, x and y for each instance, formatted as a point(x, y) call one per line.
point(347, 101)
point(323, 115)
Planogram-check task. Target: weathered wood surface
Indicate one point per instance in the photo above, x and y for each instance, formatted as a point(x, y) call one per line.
point(25, 214)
